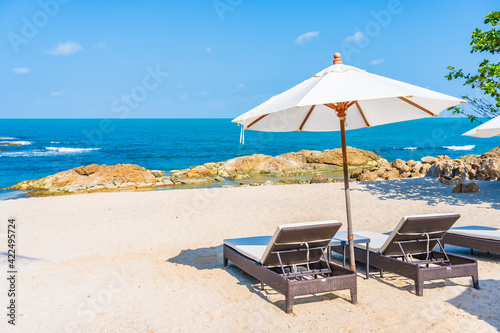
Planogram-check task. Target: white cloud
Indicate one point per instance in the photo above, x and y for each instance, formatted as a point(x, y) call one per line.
point(304, 38)
point(238, 88)
point(184, 96)
point(56, 93)
point(21, 70)
point(203, 93)
point(66, 49)
point(377, 61)
point(99, 45)
point(358, 37)
point(209, 50)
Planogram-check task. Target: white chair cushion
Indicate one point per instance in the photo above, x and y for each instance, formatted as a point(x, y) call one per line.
point(376, 240)
point(251, 247)
point(477, 231)
point(258, 248)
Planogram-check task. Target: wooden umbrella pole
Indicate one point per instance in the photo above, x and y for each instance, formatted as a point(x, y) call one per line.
point(347, 194)
point(341, 110)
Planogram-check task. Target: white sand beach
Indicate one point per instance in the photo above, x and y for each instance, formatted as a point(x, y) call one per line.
point(152, 261)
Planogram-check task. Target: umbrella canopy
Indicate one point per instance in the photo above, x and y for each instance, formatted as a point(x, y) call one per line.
point(376, 100)
point(343, 97)
point(487, 130)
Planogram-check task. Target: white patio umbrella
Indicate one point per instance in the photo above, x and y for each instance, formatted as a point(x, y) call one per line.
point(343, 97)
point(489, 129)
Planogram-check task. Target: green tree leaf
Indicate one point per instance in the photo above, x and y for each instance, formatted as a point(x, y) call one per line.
point(487, 78)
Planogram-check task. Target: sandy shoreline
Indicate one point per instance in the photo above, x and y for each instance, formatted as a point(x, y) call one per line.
point(152, 262)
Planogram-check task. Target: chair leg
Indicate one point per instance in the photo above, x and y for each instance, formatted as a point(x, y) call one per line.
point(475, 281)
point(354, 296)
point(381, 273)
point(419, 288)
point(261, 285)
point(225, 261)
point(289, 303)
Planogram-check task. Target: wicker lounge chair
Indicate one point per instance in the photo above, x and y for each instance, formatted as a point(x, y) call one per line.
point(293, 261)
point(474, 238)
point(407, 251)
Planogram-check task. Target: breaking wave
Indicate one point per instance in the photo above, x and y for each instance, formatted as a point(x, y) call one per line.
point(50, 151)
point(70, 150)
point(467, 147)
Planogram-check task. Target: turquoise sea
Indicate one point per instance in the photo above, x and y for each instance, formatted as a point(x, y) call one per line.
point(49, 146)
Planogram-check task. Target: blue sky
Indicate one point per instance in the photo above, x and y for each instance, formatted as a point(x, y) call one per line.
point(215, 58)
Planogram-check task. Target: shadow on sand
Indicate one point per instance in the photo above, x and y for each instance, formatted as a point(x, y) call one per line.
point(487, 311)
point(433, 192)
point(18, 257)
point(208, 258)
point(202, 258)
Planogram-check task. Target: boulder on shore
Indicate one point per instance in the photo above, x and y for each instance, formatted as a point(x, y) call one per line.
point(468, 167)
point(466, 188)
point(93, 177)
point(196, 175)
point(394, 170)
point(318, 178)
point(448, 171)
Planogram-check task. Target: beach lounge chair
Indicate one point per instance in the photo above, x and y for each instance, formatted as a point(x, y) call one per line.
point(475, 238)
point(408, 251)
point(293, 261)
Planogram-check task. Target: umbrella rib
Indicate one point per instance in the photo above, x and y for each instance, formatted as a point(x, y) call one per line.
point(417, 106)
point(351, 104)
point(258, 119)
point(331, 106)
point(307, 117)
point(362, 114)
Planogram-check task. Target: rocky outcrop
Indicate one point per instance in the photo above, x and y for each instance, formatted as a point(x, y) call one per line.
point(370, 167)
point(448, 171)
point(292, 164)
point(196, 175)
point(468, 167)
point(94, 178)
point(394, 170)
point(494, 153)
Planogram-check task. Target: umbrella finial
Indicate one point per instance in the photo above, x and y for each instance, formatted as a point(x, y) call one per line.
point(337, 59)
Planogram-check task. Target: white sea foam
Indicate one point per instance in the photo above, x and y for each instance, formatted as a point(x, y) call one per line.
point(50, 151)
point(467, 147)
point(15, 154)
point(8, 138)
point(18, 143)
point(70, 150)
point(410, 148)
